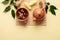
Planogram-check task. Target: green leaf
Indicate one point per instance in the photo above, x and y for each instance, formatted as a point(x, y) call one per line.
point(52, 11)
point(15, 5)
point(53, 7)
point(7, 9)
point(13, 13)
point(48, 3)
point(12, 1)
point(46, 8)
point(5, 2)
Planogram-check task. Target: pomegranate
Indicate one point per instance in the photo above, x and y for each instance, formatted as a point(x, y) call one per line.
point(22, 14)
point(38, 13)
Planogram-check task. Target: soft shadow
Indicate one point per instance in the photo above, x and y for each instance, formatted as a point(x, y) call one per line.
point(23, 24)
point(37, 23)
point(40, 22)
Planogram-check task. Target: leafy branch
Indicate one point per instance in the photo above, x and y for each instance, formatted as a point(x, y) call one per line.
point(8, 8)
point(52, 8)
point(13, 3)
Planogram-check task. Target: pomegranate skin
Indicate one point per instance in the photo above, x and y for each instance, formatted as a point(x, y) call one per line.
point(38, 13)
point(22, 14)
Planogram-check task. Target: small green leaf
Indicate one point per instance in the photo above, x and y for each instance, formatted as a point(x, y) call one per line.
point(15, 5)
point(5, 2)
point(12, 1)
point(53, 7)
point(46, 8)
point(52, 11)
point(7, 9)
point(13, 13)
point(48, 3)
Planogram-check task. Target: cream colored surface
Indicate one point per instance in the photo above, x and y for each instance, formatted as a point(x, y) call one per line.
point(9, 30)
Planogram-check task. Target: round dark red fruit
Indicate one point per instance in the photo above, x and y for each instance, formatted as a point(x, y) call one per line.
point(22, 13)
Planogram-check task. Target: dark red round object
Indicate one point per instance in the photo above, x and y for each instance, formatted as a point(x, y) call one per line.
point(22, 13)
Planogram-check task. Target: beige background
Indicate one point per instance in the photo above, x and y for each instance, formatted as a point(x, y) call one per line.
point(9, 30)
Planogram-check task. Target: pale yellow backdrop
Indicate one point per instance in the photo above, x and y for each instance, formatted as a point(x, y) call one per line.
point(9, 30)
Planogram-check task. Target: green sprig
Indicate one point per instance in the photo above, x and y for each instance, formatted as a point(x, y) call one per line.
point(52, 8)
point(8, 8)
